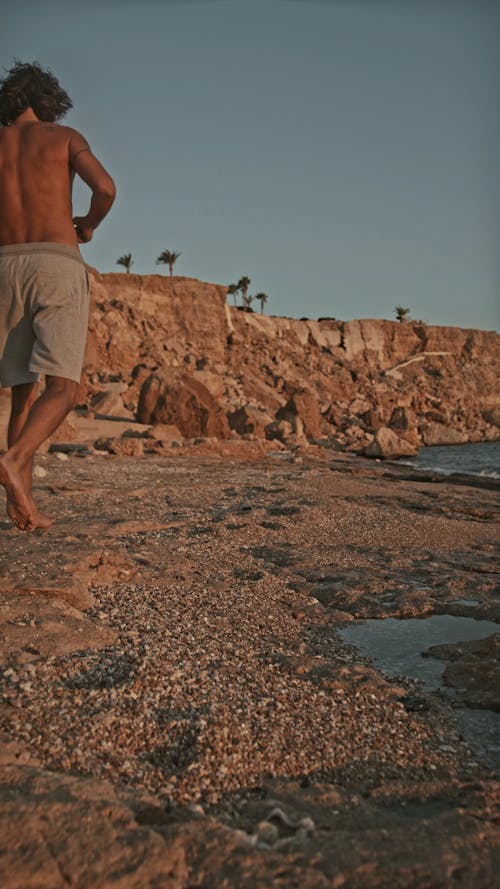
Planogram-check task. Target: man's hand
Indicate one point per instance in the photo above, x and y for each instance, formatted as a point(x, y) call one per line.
point(84, 231)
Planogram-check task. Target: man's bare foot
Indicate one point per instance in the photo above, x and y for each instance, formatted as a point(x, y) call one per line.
point(39, 519)
point(20, 507)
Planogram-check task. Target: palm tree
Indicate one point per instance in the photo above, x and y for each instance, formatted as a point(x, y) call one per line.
point(125, 260)
point(232, 290)
point(401, 313)
point(243, 285)
point(262, 298)
point(168, 257)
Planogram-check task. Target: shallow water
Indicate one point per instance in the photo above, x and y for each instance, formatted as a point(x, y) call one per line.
point(482, 458)
point(396, 647)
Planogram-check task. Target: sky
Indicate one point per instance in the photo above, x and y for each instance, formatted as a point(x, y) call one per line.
point(343, 154)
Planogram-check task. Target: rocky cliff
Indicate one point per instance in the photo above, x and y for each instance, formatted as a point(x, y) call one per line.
point(172, 351)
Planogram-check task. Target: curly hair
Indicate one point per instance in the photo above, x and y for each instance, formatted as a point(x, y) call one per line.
point(29, 86)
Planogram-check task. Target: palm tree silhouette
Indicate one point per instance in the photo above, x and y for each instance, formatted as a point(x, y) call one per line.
point(168, 257)
point(262, 298)
point(126, 261)
point(232, 290)
point(401, 313)
point(243, 285)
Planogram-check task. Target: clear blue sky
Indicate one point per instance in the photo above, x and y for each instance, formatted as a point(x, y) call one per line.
point(342, 153)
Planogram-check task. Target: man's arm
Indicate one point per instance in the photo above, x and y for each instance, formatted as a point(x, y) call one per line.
point(99, 181)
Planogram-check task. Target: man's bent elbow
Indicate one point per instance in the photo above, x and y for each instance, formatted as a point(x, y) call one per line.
point(104, 188)
point(108, 190)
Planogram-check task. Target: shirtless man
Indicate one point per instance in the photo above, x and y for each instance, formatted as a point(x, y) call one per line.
point(43, 281)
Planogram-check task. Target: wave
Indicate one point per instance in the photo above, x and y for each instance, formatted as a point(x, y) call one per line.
point(477, 459)
point(457, 470)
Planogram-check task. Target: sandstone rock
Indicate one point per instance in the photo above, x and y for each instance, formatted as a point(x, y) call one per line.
point(279, 429)
point(492, 416)
point(388, 445)
point(371, 420)
point(358, 444)
point(33, 626)
point(184, 402)
point(184, 333)
point(68, 587)
point(403, 421)
point(325, 333)
point(58, 830)
point(248, 420)
point(126, 446)
point(439, 434)
point(110, 404)
point(303, 413)
point(166, 432)
point(360, 406)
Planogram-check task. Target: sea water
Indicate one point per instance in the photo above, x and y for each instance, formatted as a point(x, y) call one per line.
point(471, 459)
point(397, 646)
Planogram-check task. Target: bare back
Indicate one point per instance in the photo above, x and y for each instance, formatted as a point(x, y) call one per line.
point(35, 184)
point(38, 161)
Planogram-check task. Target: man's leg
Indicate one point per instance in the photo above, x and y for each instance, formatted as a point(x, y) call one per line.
point(23, 397)
point(45, 415)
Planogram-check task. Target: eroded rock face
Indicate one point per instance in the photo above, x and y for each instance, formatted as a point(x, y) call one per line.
point(442, 434)
point(183, 356)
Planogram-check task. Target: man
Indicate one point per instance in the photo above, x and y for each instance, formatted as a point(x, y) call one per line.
point(43, 281)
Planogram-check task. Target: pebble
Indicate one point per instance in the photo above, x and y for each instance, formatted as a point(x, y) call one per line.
point(197, 700)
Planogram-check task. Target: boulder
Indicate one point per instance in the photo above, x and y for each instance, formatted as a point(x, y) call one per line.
point(279, 430)
point(390, 446)
point(166, 432)
point(110, 404)
point(303, 413)
point(248, 420)
point(184, 402)
point(403, 421)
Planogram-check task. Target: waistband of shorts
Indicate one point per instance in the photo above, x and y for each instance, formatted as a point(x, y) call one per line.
point(42, 247)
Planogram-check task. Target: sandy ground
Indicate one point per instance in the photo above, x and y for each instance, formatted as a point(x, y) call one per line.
point(178, 708)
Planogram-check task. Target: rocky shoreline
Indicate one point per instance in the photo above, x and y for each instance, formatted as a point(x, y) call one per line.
point(178, 707)
point(174, 355)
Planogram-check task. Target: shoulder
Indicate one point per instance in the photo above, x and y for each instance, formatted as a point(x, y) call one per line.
point(72, 135)
point(67, 134)
point(76, 142)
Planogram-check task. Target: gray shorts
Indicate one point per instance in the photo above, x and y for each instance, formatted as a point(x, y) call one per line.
point(44, 310)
